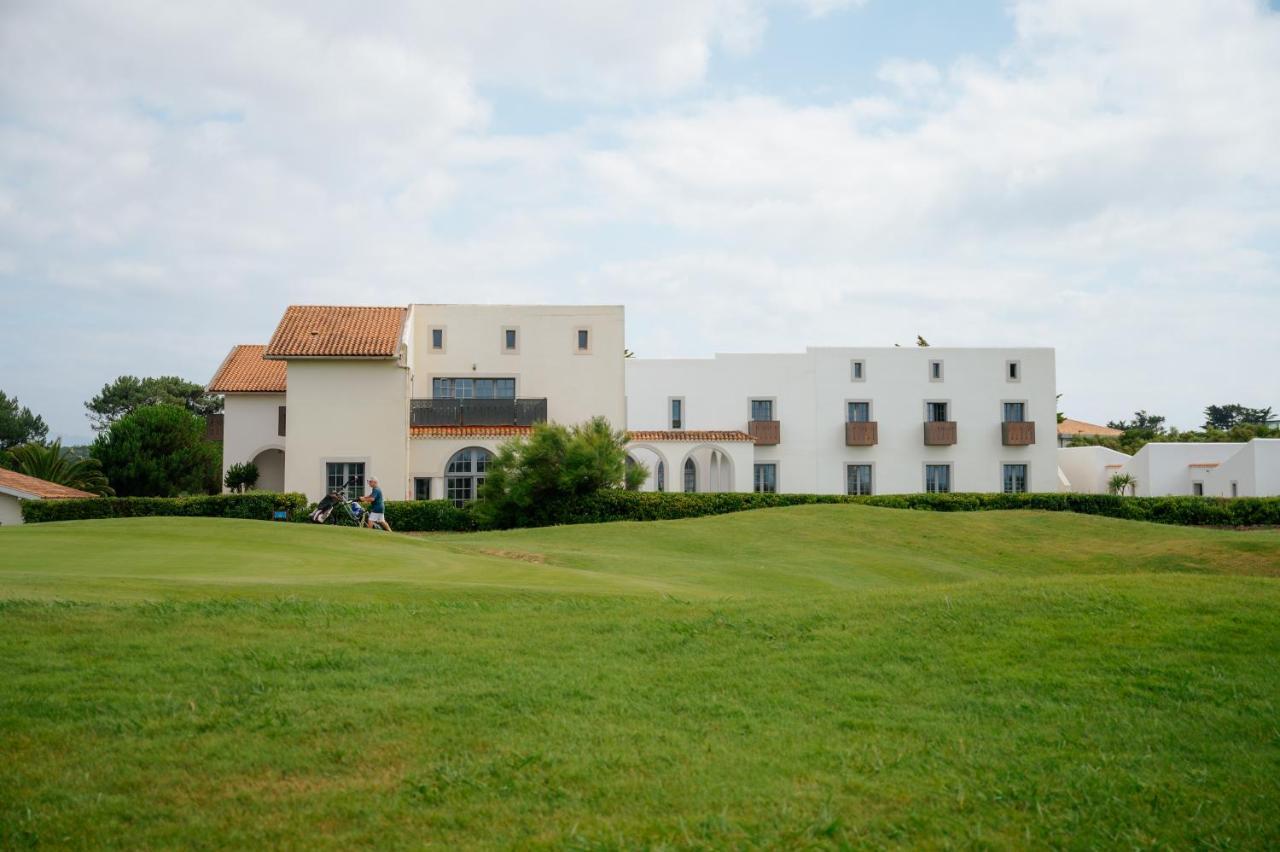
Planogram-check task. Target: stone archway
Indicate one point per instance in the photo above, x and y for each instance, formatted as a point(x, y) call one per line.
point(270, 462)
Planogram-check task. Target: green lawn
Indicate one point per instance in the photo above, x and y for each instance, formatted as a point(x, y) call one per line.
point(804, 677)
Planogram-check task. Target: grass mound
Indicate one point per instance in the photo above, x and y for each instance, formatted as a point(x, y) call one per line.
point(810, 677)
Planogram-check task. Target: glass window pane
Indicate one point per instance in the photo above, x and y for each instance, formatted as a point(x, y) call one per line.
point(661, 477)
point(766, 478)
point(437, 338)
point(1015, 478)
point(677, 414)
point(937, 478)
point(511, 338)
point(421, 488)
point(1014, 412)
point(858, 479)
point(583, 338)
point(857, 369)
point(937, 412)
point(859, 412)
point(690, 476)
point(761, 409)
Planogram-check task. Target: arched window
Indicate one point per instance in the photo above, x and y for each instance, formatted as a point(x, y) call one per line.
point(661, 477)
point(465, 474)
point(690, 476)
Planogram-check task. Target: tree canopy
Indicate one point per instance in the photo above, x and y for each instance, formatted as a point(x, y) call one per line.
point(18, 425)
point(1226, 416)
point(128, 393)
point(529, 478)
point(52, 463)
point(158, 451)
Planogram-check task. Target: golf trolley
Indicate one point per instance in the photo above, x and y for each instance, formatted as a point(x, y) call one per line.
point(332, 500)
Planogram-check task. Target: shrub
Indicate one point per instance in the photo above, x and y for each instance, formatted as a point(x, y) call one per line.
point(531, 479)
point(52, 463)
point(257, 505)
point(428, 516)
point(241, 476)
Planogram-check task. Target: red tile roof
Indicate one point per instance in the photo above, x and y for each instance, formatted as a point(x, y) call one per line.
point(244, 370)
point(687, 435)
point(29, 485)
point(468, 431)
point(1203, 464)
point(1079, 427)
point(337, 331)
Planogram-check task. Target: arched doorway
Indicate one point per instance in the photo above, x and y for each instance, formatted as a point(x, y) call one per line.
point(464, 475)
point(707, 468)
point(653, 461)
point(270, 464)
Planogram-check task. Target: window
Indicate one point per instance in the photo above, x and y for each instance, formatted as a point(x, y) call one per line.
point(473, 388)
point(690, 476)
point(1015, 479)
point(857, 479)
point(1235, 489)
point(280, 421)
point(422, 488)
point(1013, 371)
point(935, 412)
point(1197, 488)
point(510, 339)
point(937, 478)
point(766, 478)
point(677, 413)
point(1015, 412)
point(660, 477)
point(437, 339)
point(859, 412)
point(465, 474)
point(935, 371)
point(858, 370)
point(348, 474)
point(584, 340)
point(761, 409)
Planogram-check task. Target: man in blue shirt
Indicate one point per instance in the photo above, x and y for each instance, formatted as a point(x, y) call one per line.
point(376, 507)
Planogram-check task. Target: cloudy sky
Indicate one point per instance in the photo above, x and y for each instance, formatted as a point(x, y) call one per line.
point(743, 175)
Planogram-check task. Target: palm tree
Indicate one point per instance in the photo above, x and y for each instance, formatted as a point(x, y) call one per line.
point(54, 464)
point(1122, 482)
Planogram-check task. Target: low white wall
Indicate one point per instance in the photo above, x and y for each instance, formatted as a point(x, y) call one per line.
point(10, 510)
point(1164, 469)
point(1086, 467)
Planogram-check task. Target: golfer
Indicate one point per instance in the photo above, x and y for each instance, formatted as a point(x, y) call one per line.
point(376, 507)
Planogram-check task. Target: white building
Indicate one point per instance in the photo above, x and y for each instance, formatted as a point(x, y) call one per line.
point(420, 396)
point(1170, 469)
point(16, 487)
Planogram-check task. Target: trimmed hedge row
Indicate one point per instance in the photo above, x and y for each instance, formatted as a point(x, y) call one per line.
point(605, 506)
point(255, 505)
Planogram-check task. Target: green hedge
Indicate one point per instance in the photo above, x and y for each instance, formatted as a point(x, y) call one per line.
point(255, 505)
point(428, 516)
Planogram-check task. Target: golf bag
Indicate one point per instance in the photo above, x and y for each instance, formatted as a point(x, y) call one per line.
point(331, 501)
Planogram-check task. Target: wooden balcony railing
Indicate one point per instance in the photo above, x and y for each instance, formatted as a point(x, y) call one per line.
point(1018, 434)
point(861, 434)
point(939, 433)
point(477, 412)
point(766, 432)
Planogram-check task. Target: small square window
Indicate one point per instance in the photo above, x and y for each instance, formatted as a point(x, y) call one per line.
point(422, 488)
point(761, 409)
point(1197, 489)
point(859, 412)
point(437, 339)
point(858, 371)
point(935, 371)
point(1013, 371)
point(857, 479)
point(937, 478)
point(584, 340)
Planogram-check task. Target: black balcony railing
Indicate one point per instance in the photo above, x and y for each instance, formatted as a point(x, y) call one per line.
point(477, 412)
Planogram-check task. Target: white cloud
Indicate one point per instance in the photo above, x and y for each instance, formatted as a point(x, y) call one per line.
point(1106, 185)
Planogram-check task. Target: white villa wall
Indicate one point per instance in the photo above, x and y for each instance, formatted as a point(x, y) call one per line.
point(1086, 467)
point(547, 363)
point(1255, 468)
point(1164, 469)
point(10, 510)
point(340, 410)
point(250, 425)
point(810, 392)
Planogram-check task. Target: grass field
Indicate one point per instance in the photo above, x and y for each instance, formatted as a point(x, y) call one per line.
point(805, 677)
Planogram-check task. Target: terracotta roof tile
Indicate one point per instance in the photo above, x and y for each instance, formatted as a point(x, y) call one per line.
point(687, 435)
point(10, 479)
point(1079, 427)
point(337, 331)
point(245, 371)
point(1203, 464)
point(468, 431)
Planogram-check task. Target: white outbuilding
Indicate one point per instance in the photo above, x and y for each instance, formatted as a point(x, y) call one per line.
point(16, 487)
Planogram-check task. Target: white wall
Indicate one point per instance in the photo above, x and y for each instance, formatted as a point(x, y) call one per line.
point(1255, 468)
point(10, 510)
point(250, 424)
point(1267, 454)
point(1086, 467)
point(547, 363)
point(342, 410)
point(810, 392)
point(1164, 469)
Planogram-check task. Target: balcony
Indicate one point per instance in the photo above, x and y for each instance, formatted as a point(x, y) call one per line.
point(939, 433)
point(861, 434)
point(766, 432)
point(477, 412)
point(1018, 434)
